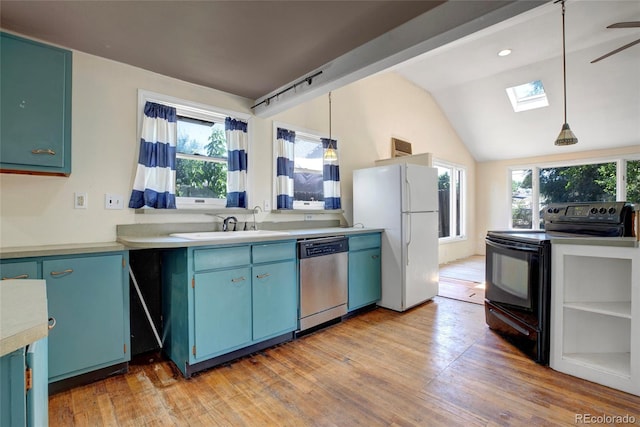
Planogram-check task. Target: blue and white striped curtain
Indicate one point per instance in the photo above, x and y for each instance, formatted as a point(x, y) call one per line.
point(284, 161)
point(331, 178)
point(237, 158)
point(155, 182)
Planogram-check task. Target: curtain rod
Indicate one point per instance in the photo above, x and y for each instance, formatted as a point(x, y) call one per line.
point(308, 79)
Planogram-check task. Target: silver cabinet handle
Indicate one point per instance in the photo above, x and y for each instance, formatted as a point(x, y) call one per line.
point(52, 323)
point(60, 273)
point(48, 151)
point(375, 256)
point(238, 279)
point(22, 276)
point(262, 276)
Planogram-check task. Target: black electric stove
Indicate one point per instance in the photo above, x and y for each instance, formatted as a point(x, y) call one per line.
point(518, 268)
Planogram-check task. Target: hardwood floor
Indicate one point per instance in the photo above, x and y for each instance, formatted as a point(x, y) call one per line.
point(463, 279)
point(437, 364)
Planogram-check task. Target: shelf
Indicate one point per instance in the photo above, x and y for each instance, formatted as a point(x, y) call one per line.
point(618, 309)
point(613, 363)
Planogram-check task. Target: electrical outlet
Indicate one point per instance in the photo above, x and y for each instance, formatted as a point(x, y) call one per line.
point(80, 200)
point(113, 201)
point(308, 217)
point(266, 206)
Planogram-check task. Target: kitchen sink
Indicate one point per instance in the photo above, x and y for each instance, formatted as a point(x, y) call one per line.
point(224, 235)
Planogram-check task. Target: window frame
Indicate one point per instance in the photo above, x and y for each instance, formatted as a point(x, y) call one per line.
point(310, 134)
point(621, 180)
point(197, 111)
point(453, 211)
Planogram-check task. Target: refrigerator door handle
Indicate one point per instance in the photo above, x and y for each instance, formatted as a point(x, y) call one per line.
point(408, 237)
point(408, 193)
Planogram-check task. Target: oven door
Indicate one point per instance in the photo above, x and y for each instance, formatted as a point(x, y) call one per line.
point(512, 273)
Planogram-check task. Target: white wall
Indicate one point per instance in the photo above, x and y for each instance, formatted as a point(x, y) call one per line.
point(39, 210)
point(493, 187)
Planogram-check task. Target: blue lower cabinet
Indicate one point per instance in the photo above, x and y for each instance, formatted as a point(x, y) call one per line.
point(220, 300)
point(222, 311)
point(275, 299)
point(88, 297)
point(364, 271)
point(24, 398)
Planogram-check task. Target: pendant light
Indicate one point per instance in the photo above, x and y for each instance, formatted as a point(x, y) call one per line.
point(566, 136)
point(330, 154)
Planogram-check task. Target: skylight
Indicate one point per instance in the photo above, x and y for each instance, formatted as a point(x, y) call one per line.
point(527, 96)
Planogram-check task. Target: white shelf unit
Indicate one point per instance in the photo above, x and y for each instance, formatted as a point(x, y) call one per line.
point(595, 314)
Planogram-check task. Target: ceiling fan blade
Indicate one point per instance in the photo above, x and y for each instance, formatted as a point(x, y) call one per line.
point(632, 24)
point(613, 52)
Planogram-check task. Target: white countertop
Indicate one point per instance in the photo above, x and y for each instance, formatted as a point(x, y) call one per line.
point(23, 313)
point(166, 241)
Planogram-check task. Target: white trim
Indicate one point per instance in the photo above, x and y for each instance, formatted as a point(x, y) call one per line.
point(204, 112)
point(452, 200)
point(308, 133)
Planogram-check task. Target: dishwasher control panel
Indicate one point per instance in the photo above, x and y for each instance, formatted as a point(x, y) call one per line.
point(321, 247)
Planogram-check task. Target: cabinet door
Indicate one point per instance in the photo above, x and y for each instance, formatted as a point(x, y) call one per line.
point(364, 277)
point(222, 311)
point(275, 307)
point(38, 395)
point(19, 270)
point(12, 389)
point(36, 106)
point(87, 298)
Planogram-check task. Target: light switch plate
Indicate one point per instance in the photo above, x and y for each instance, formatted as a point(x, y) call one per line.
point(80, 200)
point(113, 201)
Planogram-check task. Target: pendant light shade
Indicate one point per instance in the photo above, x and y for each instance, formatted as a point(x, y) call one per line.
point(330, 154)
point(566, 136)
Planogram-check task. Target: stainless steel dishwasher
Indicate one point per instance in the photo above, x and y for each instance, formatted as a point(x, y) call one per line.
point(323, 280)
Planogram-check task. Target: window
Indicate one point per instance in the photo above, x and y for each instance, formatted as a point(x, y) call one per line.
point(308, 187)
point(533, 188)
point(201, 159)
point(451, 188)
point(201, 150)
point(527, 96)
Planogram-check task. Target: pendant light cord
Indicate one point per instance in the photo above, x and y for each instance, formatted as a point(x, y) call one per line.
point(564, 67)
point(330, 144)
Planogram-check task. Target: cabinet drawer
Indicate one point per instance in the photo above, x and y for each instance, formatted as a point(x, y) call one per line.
point(206, 259)
point(274, 252)
point(364, 242)
point(19, 270)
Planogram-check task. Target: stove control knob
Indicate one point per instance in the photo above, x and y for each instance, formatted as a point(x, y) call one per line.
point(550, 210)
point(556, 210)
point(594, 211)
point(603, 210)
point(612, 210)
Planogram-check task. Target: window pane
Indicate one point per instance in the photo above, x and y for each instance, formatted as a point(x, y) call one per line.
point(633, 181)
point(583, 183)
point(521, 192)
point(444, 202)
point(198, 178)
point(307, 174)
point(200, 137)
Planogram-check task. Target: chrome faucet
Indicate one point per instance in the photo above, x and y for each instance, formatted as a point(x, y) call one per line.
point(227, 220)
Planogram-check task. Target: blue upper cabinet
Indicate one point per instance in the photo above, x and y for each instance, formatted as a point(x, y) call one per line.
point(35, 110)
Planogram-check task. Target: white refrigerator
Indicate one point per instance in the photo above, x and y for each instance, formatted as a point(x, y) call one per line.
point(403, 200)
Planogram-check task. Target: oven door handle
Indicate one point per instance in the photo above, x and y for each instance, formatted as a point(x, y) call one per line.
point(511, 246)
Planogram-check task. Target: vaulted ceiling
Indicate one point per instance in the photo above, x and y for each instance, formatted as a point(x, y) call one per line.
point(251, 48)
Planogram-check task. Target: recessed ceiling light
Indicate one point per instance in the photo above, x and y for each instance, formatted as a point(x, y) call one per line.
point(504, 52)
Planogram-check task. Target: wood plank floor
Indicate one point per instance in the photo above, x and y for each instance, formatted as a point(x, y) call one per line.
point(435, 365)
point(463, 279)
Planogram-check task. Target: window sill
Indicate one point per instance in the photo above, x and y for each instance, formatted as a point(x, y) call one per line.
point(307, 211)
point(212, 210)
point(446, 240)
